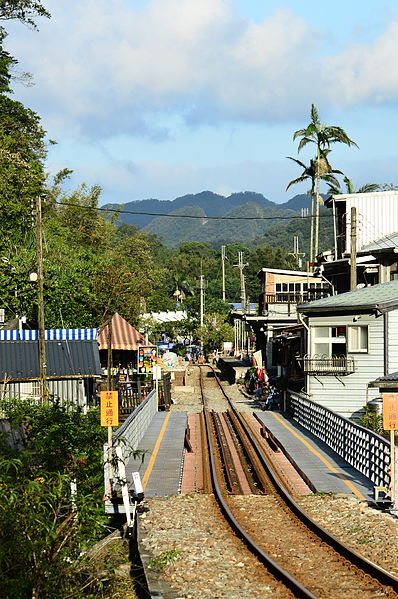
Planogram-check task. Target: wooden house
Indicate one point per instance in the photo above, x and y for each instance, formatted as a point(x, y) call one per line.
point(350, 340)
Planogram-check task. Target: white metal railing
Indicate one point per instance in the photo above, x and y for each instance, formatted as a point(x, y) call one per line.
point(364, 450)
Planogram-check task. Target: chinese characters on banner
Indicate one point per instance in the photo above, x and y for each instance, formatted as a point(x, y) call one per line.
point(390, 411)
point(147, 358)
point(109, 408)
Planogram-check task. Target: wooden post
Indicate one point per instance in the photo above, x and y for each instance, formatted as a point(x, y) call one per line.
point(223, 271)
point(392, 468)
point(109, 363)
point(110, 388)
point(40, 304)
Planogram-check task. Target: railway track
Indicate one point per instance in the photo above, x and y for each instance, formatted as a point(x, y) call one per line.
point(302, 555)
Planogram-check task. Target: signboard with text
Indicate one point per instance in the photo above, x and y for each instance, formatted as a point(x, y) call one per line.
point(109, 408)
point(147, 358)
point(390, 411)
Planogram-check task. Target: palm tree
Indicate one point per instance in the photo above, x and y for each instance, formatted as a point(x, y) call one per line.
point(310, 173)
point(334, 189)
point(181, 288)
point(323, 136)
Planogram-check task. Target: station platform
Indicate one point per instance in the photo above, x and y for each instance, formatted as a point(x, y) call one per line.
point(161, 468)
point(322, 468)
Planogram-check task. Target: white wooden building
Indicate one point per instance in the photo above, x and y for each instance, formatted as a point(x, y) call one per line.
point(351, 340)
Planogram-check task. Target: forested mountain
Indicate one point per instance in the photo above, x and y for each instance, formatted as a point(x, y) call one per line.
point(212, 203)
point(174, 229)
point(217, 232)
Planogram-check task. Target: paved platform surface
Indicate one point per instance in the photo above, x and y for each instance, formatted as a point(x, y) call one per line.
point(325, 469)
point(161, 469)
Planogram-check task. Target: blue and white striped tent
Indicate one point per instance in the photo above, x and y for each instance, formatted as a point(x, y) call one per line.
point(50, 335)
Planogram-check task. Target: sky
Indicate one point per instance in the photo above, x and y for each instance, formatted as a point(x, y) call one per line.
point(161, 98)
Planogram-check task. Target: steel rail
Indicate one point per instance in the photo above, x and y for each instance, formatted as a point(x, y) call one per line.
point(279, 572)
point(369, 567)
point(257, 472)
point(231, 477)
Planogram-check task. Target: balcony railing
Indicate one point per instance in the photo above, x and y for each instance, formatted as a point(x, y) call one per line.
point(324, 365)
point(295, 298)
point(291, 299)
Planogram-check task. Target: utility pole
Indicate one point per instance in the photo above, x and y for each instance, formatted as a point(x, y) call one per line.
point(223, 271)
point(40, 303)
point(353, 261)
point(296, 251)
point(241, 266)
point(202, 299)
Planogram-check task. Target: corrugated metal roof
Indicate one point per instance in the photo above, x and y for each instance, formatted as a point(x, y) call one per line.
point(389, 377)
point(382, 297)
point(19, 360)
point(387, 242)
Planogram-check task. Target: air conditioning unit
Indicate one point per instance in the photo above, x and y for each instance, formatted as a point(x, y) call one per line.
point(1, 315)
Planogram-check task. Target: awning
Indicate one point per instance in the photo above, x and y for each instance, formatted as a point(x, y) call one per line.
point(123, 335)
point(49, 334)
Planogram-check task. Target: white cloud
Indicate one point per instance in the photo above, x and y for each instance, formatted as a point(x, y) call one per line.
point(365, 74)
point(108, 66)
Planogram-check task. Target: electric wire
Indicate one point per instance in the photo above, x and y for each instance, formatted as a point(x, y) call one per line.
point(370, 228)
point(202, 217)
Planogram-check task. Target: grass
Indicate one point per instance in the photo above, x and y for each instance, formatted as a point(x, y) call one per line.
point(164, 559)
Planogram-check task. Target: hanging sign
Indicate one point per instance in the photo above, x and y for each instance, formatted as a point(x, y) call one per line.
point(109, 408)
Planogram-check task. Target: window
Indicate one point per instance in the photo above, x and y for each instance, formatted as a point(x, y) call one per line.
point(328, 341)
point(358, 339)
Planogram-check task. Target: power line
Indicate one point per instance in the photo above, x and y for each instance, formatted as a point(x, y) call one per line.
point(188, 215)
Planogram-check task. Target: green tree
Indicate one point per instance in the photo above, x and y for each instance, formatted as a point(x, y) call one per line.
point(310, 172)
point(43, 527)
point(335, 187)
point(181, 288)
point(24, 11)
point(214, 332)
point(323, 137)
point(22, 152)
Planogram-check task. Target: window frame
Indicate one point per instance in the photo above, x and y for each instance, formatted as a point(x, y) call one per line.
point(329, 339)
point(350, 348)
